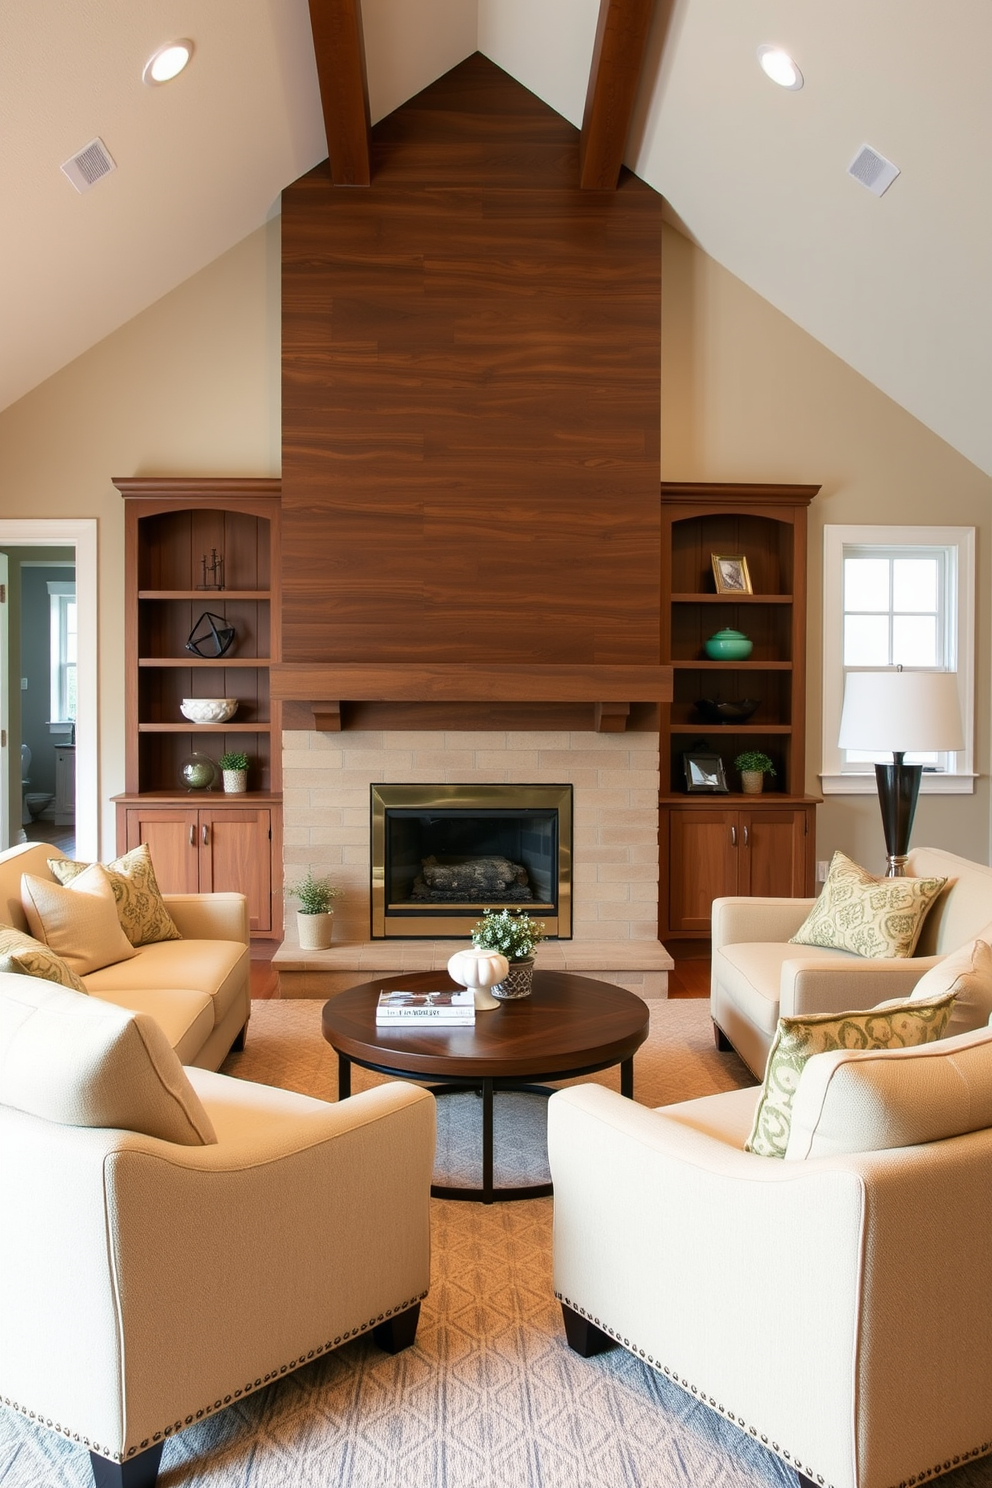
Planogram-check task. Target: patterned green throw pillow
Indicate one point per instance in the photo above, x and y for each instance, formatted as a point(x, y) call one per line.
point(894, 1025)
point(140, 906)
point(870, 916)
point(26, 956)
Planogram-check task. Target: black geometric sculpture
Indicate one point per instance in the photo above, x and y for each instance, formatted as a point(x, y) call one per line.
point(210, 636)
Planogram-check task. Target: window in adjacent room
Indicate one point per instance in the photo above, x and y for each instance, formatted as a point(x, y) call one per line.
point(62, 601)
point(897, 596)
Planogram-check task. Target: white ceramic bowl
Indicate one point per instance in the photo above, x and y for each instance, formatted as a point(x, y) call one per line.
point(208, 710)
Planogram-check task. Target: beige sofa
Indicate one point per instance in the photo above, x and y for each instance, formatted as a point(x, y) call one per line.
point(757, 976)
point(833, 1305)
point(175, 1239)
point(197, 989)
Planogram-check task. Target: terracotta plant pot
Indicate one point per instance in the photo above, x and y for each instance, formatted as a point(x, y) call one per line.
point(315, 930)
point(752, 782)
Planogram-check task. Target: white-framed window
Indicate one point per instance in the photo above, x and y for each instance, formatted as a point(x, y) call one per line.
point(897, 596)
point(62, 626)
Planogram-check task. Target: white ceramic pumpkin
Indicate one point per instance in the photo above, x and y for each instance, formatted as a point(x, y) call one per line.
point(479, 969)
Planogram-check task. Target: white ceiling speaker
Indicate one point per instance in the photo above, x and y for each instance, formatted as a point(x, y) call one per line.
point(92, 163)
point(873, 170)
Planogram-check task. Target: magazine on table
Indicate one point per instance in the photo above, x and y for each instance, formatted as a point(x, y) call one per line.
point(444, 1008)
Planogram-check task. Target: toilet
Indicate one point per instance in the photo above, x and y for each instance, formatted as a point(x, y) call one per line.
point(33, 803)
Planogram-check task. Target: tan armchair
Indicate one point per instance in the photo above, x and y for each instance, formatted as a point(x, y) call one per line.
point(757, 976)
point(173, 1240)
point(833, 1306)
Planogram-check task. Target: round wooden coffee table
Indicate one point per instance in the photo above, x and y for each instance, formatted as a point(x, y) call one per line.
point(571, 1025)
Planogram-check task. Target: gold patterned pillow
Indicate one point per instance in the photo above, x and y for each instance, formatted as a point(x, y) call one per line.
point(892, 1025)
point(140, 906)
point(870, 916)
point(26, 956)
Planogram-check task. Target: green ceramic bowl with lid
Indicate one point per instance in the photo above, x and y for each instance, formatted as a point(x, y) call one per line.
point(728, 645)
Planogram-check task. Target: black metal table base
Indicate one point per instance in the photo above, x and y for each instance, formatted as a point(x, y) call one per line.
point(488, 1193)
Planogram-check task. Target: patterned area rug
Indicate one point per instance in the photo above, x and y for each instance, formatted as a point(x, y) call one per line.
point(489, 1396)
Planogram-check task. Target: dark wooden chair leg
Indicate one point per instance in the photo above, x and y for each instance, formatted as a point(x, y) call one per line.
point(721, 1040)
point(136, 1472)
point(238, 1047)
point(583, 1336)
point(398, 1332)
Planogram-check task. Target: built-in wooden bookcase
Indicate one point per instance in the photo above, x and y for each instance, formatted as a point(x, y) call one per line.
point(716, 844)
point(171, 527)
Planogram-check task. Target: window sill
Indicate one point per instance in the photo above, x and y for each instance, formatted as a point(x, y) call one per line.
point(930, 785)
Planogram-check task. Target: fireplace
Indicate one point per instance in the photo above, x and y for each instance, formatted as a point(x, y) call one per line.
point(441, 854)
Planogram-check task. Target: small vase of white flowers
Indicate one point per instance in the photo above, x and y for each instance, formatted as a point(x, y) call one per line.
point(514, 934)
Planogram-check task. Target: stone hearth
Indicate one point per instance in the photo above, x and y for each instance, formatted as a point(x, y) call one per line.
point(326, 778)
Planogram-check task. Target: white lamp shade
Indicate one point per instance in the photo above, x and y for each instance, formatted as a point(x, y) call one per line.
point(903, 712)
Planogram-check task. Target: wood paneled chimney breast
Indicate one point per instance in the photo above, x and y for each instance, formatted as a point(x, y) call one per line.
point(471, 415)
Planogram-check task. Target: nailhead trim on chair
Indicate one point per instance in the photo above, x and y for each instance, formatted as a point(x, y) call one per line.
point(219, 1404)
point(923, 1476)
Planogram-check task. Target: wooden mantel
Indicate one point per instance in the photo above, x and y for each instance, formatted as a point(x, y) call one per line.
point(609, 690)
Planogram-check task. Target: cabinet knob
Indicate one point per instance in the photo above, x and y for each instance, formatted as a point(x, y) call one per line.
point(747, 836)
point(192, 836)
point(204, 834)
point(733, 836)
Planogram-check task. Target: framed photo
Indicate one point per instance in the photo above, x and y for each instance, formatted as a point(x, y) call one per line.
point(730, 573)
point(704, 772)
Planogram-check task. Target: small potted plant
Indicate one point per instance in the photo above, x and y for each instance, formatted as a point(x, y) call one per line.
point(315, 916)
point(234, 766)
point(514, 934)
point(754, 766)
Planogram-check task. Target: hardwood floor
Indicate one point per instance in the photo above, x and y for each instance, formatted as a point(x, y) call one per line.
point(690, 977)
point(264, 981)
point(64, 838)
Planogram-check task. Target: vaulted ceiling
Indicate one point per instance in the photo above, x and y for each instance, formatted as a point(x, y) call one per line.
point(898, 286)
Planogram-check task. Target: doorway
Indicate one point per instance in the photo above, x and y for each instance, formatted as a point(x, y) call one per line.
point(79, 535)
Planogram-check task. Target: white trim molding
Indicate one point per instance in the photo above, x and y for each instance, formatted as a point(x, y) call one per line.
point(834, 780)
point(80, 533)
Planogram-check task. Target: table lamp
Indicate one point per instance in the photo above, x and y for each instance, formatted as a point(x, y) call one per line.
point(907, 713)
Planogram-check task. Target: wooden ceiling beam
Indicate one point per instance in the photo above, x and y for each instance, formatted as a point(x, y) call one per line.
point(339, 50)
point(617, 59)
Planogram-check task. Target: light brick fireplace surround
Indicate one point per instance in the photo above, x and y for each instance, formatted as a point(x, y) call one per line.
point(326, 779)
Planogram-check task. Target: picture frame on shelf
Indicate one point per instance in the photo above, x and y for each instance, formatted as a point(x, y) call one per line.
point(704, 773)
point(730, 573)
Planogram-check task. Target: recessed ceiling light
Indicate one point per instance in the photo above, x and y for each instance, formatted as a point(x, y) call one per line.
point(779, 66)
point(168, 62)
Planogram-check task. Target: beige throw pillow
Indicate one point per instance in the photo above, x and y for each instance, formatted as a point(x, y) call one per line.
point(967, 973)
point(79, 923)
point(895, 1025)
point(868, 1100)
point(82, 1062)
point(140, 906)
point(25, 956)
point(867, 915)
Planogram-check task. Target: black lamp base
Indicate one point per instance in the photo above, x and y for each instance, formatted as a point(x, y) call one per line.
point(898, 788)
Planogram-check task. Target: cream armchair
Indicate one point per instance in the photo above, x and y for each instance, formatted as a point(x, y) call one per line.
point(173, 1240)
point(757, 976)
point(833, 1306)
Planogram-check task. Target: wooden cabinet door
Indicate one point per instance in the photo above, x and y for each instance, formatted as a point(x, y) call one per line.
point(236, 856)
point(171, 834)
point(703, 864)
point(773, 852)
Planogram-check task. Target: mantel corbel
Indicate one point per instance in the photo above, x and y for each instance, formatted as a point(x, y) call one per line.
point(609, 690)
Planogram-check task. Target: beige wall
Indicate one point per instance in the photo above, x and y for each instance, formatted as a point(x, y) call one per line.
point(747, 395)
point(190, 386)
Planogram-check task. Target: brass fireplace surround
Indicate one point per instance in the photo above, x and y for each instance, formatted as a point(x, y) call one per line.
point(456, 919)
